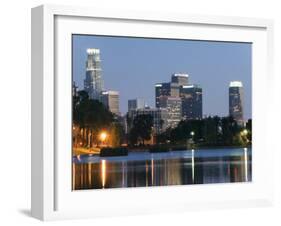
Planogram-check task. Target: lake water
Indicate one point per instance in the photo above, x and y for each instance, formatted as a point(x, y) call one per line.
point(143, 169)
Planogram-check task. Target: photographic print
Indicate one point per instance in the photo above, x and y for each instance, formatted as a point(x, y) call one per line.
point(160, 112)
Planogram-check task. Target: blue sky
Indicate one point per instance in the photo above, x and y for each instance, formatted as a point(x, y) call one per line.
point(133, 65)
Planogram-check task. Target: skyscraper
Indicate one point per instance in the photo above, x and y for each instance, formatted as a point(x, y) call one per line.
point(166, 89)
point(110, 99)
point(173, 106)
point(191, 96)
point(134, 104)
point(162, 90)
point(93, 83)
point(74, 89)
point(236, 101)
point(180, 79)
point(174, 89)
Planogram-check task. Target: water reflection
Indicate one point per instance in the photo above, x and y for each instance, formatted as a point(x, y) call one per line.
point(246, 163)
point(177, 168)
point(103, 172)
point(192, 159)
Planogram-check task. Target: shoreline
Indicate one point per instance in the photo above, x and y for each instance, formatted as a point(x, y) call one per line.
point(96, 151)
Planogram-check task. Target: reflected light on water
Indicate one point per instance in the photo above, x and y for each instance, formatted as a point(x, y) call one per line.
point(78, 157)
point(152, 169)
point(123, 174)
point(192, 164)
point(246, 163)
point(146, 174)
point(90, 173)
point(73, 176)
point(162, 169)
point(103, 172)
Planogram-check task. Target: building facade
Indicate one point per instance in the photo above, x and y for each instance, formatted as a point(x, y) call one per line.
point(162, 90)
point(110, 99)
point(134, 104)
point(166, 89)
point(159, 117)
point(180, 79)
point(174, 89)
point(173, 105)
point(93, 83)
point(192, 107)
point(236, 101)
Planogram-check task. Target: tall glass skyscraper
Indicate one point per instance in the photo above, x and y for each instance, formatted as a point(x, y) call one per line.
point(236, 101)
point(191, 96)
point(93, 82)
point(162, 90)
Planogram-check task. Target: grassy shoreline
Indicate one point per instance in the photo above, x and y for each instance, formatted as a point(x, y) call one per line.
point(85, 151)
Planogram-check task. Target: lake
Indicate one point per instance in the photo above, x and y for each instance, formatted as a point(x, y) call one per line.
point(144, 169)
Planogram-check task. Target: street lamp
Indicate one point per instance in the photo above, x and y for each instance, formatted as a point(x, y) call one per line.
point(190, 142)
point(103, 135)
point(244, 134)
point(192, 134)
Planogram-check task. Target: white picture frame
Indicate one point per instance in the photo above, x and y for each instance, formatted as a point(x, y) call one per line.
point(52, 197)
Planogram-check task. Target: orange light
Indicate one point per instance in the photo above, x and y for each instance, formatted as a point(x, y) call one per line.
point(103, 136)
point(103, 172)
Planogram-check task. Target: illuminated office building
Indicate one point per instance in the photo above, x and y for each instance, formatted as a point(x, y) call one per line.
point(93, 83)
point(110, 99)
point(191, 96)
point(236, 101)
point(173, 106)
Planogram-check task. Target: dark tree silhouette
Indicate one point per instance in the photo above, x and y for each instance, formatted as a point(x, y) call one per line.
point(142, 128)
point(91, 116)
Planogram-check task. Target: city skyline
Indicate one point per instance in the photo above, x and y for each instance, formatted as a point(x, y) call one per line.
point(111, 82)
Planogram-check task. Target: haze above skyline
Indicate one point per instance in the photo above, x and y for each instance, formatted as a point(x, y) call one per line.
point(132, 66)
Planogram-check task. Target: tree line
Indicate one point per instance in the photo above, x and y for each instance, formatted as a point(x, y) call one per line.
point(90, 117)
point(210, 131)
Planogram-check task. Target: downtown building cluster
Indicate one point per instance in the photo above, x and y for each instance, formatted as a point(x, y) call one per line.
point(175, 100)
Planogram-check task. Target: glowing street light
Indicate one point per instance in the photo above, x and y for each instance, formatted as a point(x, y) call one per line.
point(103, 136)
point(245, 132)
point(192, 136)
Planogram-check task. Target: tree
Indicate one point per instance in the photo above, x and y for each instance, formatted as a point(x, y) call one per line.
point(116, 134)
point(211, 130)
point(91, 116)
point(230, 131)
point(142, 128)
point(182, 132)
point(249, 129)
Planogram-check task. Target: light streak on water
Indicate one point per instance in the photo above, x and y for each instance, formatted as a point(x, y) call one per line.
point(103, 172)
point(246, 163)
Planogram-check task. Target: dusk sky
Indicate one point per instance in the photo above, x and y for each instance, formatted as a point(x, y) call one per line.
point(132, 66)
